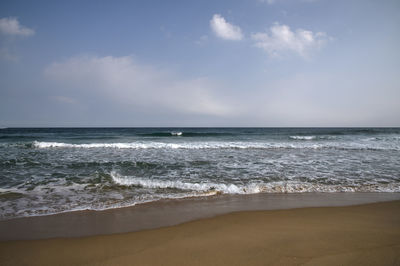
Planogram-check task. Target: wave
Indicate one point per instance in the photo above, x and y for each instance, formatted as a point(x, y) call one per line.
point(177, 184)
point(186, 134)
point(215, 145)
point(303, 137)
point(251, 188)
point(122, 191)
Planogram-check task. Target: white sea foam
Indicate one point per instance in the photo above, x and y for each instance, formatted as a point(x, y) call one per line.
point(160, 145)
point(128, 145)
point(176, 133)
point(11, 190)
point(40, 202)
point(219, 145)
point(151, 183)
point(251, 188)
point(303, 137)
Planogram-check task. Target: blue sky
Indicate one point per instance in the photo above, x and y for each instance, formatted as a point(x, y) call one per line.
point(200, 63)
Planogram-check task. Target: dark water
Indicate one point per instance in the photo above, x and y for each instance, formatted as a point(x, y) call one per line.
point(44, 171)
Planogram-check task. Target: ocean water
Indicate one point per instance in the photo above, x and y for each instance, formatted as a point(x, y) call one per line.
point(52, 170)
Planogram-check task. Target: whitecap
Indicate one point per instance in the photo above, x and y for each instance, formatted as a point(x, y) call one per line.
point(178, 184)
point(251, 188)
point(218, 145)
point(303, 137)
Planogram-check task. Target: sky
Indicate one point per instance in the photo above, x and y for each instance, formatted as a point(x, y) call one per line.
point(236, 63)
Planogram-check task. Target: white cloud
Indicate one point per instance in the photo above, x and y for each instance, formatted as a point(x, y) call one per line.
point(224, 29)
point(11, 26)
point(123, 82)
point(281, 39)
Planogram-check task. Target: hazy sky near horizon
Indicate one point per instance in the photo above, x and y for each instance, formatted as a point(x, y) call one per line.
point(200, 63)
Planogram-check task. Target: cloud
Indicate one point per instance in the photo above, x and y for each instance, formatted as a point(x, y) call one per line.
point(10, 26)
point(120, 81)
point(281, 39)
point(224, 29)
point(9, 29)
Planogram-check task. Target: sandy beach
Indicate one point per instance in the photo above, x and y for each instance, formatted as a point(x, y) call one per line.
point(366, 234)
point(196, 133)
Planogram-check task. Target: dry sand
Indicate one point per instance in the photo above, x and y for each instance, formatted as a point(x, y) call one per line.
point(354, 235)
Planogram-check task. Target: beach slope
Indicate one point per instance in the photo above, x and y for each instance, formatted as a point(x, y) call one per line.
point(353, 235)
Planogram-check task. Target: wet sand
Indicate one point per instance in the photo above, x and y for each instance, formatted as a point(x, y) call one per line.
point(171, 212)
point(366, 234)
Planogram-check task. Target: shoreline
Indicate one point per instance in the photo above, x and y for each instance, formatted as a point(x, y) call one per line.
point(165, 213)
point(367, 234)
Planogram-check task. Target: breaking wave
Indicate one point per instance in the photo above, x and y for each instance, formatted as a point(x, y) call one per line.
point(303, 137)
point(252, 188)
point(177, 184)
point(218, 145)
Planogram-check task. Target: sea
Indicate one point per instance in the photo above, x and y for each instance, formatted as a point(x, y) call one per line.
point(53, 170)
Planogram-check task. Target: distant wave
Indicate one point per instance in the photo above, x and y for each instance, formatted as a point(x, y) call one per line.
point(185, 134)
point(348, 131)
point(303, 137)
point(321, 132)
point(252, 188)
point(218, 145)
point(314, 137)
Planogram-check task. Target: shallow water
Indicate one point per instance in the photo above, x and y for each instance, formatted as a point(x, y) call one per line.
point(45, 171)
